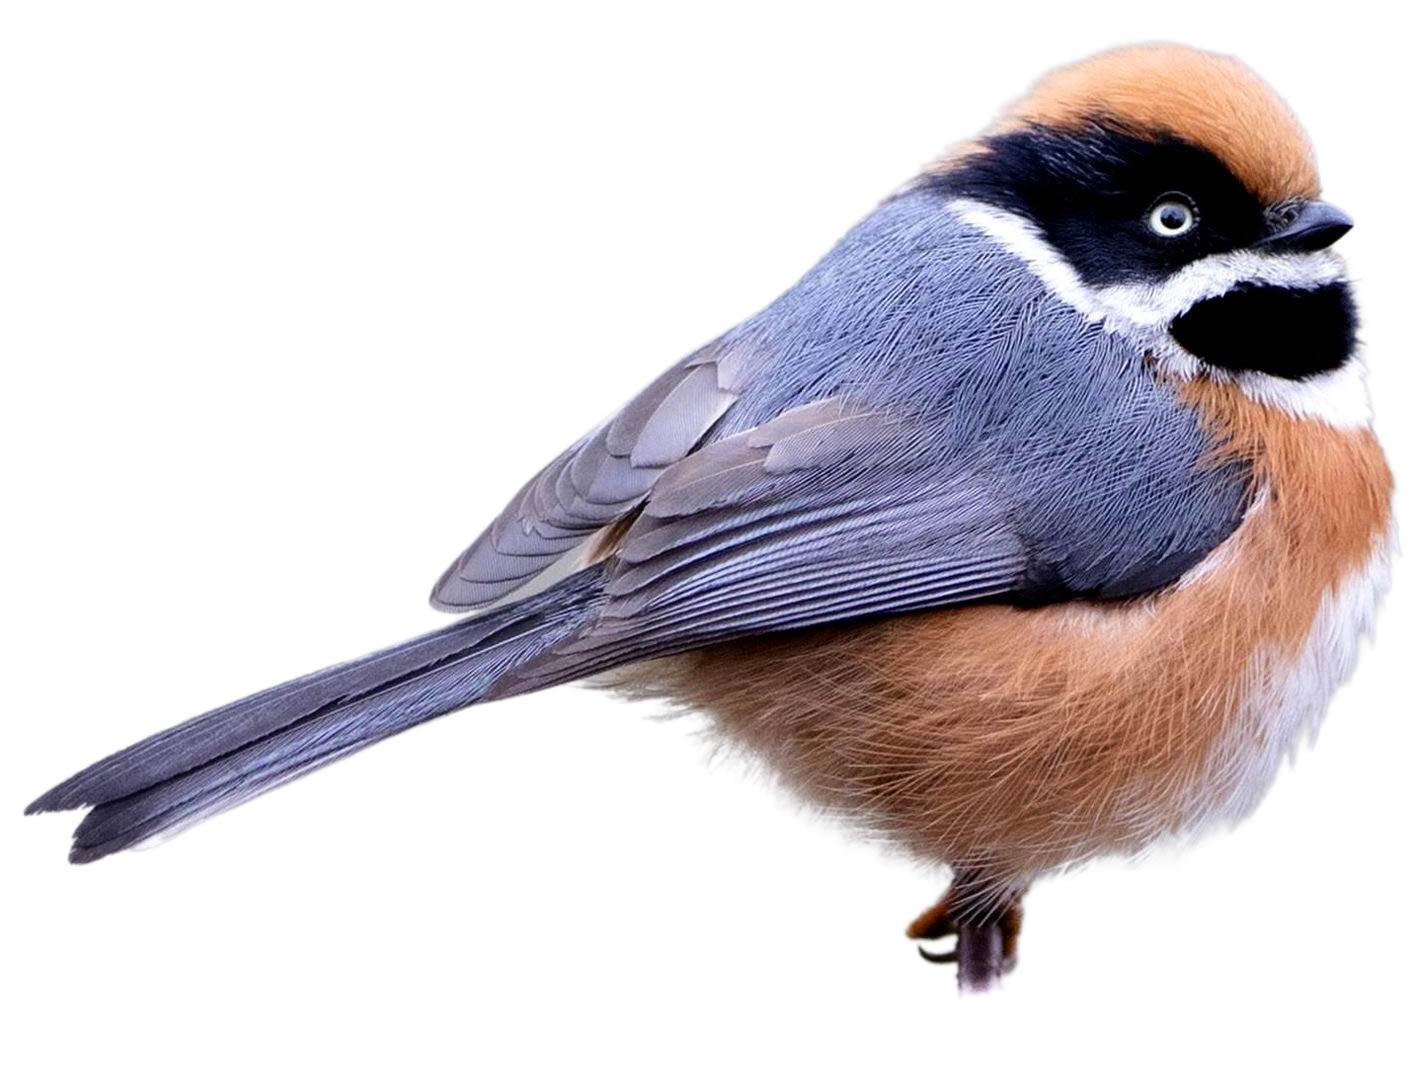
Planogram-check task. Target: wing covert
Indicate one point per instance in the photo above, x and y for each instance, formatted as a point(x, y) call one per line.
point(595, 482)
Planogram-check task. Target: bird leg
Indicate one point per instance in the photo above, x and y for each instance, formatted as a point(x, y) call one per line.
point(986, 933)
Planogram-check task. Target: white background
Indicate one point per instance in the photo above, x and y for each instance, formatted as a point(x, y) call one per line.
point(294, 295)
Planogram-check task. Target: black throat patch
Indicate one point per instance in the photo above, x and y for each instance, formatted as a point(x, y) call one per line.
point(1284, 331)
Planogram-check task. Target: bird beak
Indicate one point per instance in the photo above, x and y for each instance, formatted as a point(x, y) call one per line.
point(1305, 227)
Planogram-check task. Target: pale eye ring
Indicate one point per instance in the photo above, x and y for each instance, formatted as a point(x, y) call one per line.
point(1173, 216)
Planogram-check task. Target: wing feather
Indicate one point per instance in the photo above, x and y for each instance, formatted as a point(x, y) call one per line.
point(594, 483)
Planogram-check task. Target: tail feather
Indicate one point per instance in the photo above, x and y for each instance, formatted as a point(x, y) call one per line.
point(225, 757)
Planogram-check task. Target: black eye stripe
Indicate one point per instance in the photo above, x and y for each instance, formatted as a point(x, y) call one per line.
point(1090, 190)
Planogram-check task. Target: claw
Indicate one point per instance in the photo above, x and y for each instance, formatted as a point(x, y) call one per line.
point(950, 956)
point(986, 945)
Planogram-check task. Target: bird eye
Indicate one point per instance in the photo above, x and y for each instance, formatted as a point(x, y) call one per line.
point(1173, 216)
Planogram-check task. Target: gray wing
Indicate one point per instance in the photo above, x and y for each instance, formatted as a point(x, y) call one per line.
point(917, 423)
point(593, 483)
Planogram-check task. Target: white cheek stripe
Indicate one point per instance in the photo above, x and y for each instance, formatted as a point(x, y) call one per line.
point(1142, 312)
point(1155, 305)
point(1019, 238)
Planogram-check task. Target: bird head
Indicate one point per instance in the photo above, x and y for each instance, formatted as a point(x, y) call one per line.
point(1171, 194)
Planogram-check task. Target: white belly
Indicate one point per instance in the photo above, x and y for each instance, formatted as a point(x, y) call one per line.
point(1288, 694)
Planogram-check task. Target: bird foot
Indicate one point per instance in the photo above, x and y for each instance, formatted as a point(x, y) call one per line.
point(986, 937)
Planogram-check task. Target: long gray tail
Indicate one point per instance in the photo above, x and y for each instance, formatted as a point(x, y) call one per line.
point(229, 755)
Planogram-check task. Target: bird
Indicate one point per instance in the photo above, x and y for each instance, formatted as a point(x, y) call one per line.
point(1037, 523)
